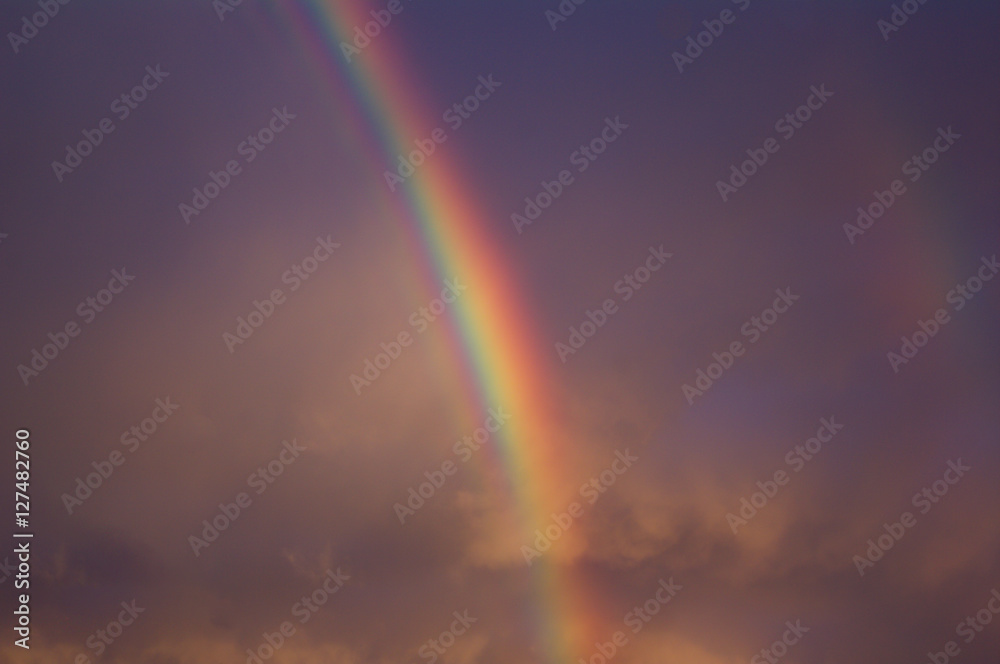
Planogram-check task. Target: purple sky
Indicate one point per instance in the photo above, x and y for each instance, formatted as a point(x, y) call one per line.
point(800, 312)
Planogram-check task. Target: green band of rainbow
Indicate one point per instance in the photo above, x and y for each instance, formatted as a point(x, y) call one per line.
point(494, 353)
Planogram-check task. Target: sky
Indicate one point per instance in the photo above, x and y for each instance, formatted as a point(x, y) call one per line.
point(358, 332)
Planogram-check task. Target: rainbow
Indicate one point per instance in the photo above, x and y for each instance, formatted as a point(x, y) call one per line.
point(494, 353)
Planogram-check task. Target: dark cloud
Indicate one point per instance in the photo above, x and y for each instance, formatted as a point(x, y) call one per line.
point(332, 507)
